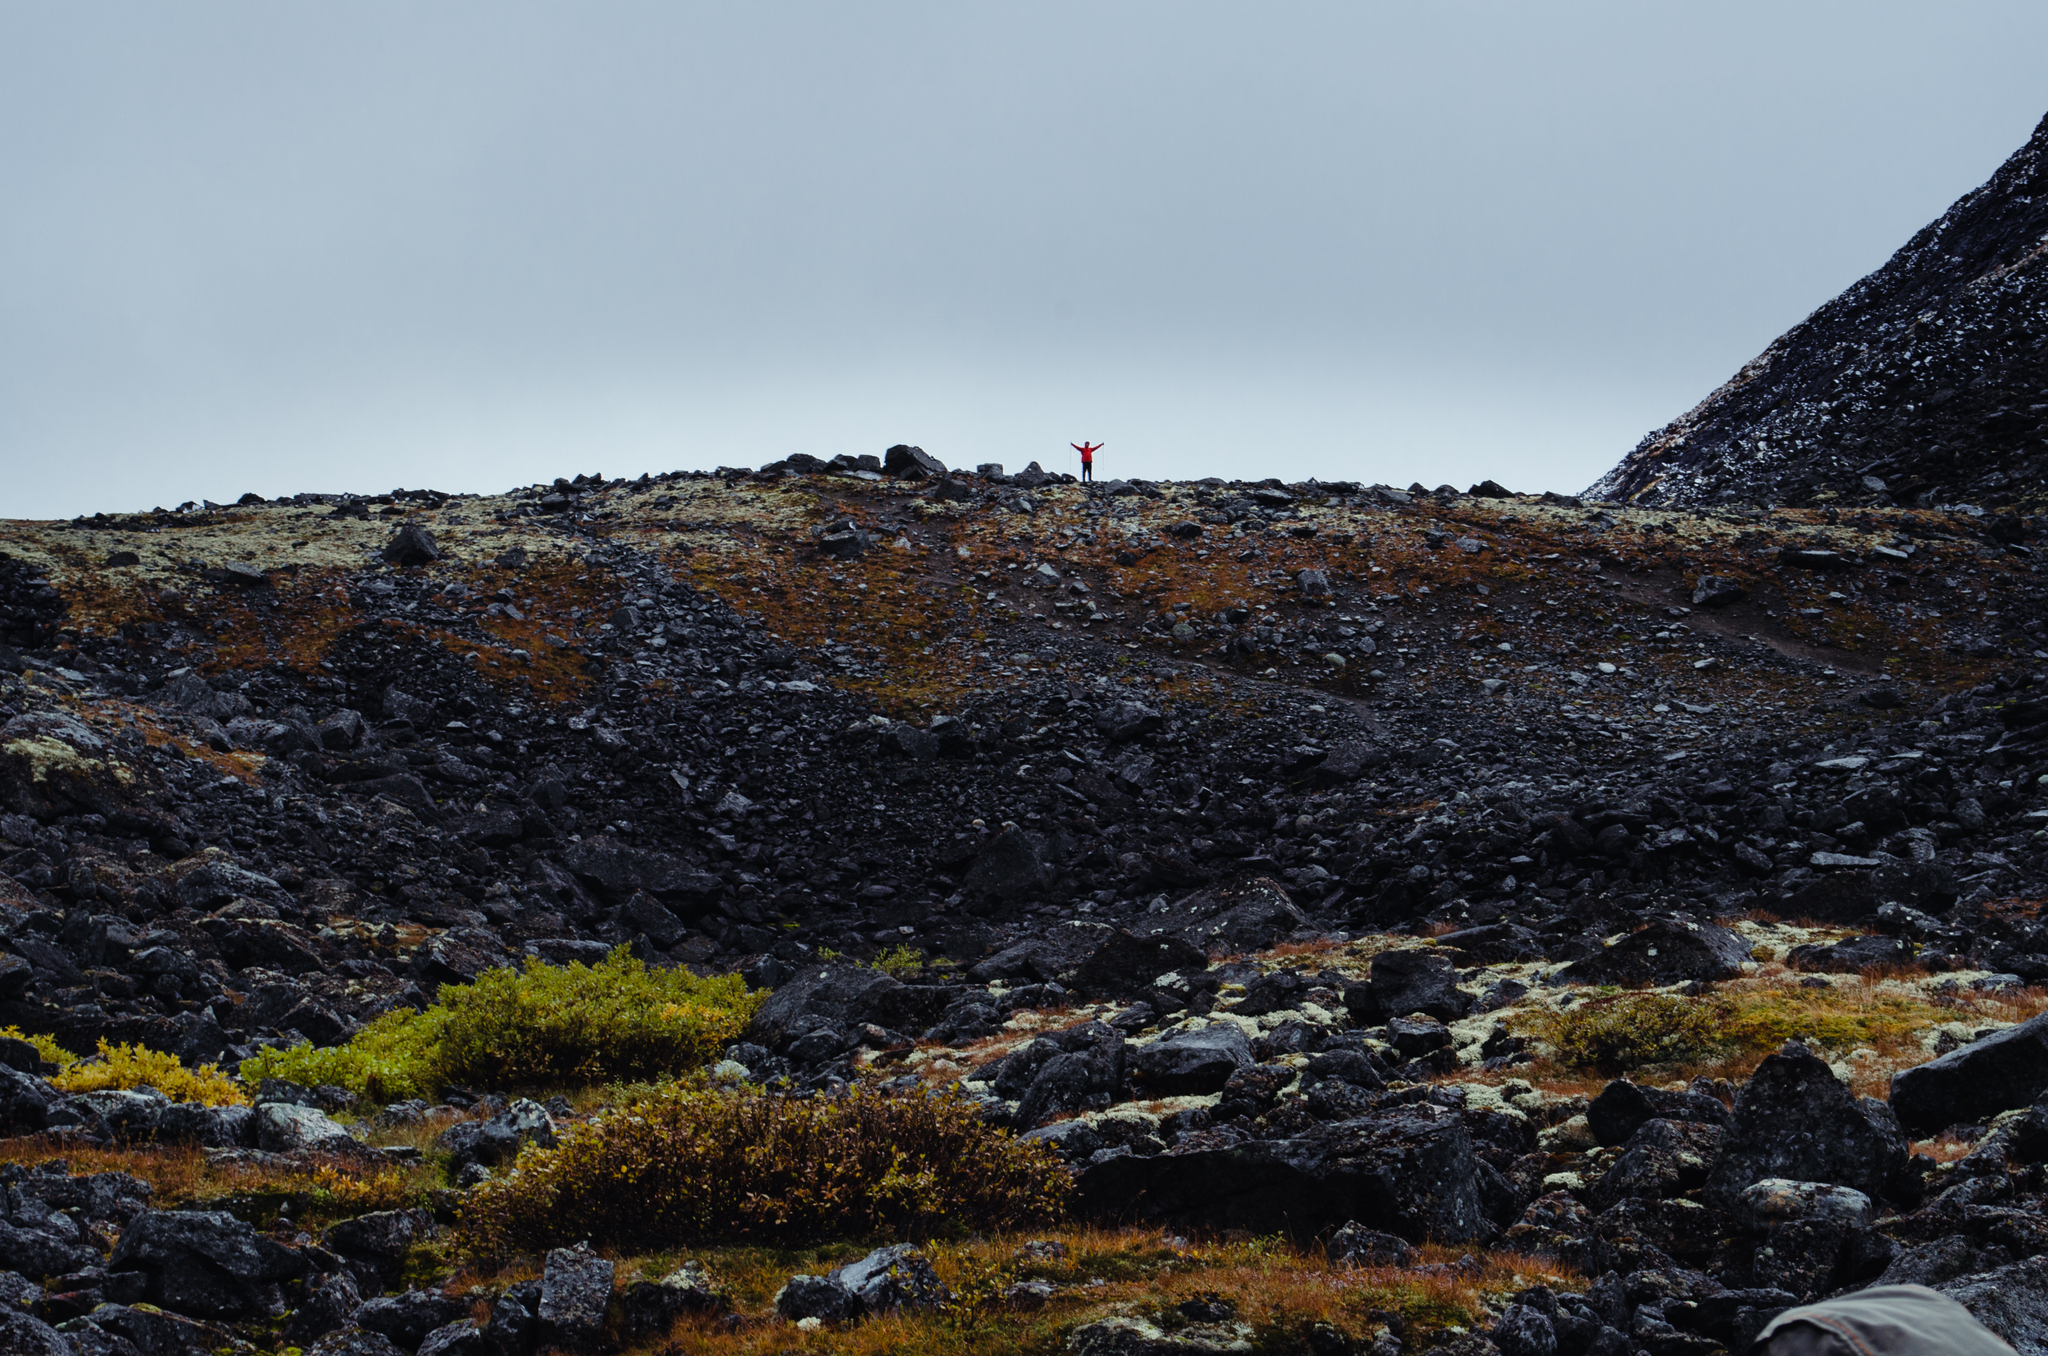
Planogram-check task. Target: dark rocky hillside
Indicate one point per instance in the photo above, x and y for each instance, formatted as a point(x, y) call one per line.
point(1222, 837)
point(1925, 383)
point(730, 721)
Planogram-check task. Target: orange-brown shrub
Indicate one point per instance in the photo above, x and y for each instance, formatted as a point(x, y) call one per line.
point(688, 1165)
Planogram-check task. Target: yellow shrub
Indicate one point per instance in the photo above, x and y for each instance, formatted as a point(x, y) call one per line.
point(543, 1025)
point(45, 1044)
point(688, 1165)
point(132, 1066)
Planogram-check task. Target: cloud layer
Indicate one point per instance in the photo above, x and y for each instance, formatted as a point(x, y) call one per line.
point(249, 246)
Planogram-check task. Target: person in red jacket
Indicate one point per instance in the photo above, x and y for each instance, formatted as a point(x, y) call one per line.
point(1087, 451)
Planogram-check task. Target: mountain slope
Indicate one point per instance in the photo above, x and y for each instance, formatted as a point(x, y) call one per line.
point(1925, 383)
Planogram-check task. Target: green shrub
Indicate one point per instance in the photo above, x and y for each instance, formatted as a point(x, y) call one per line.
point(690, 1165)
point(390, 1059)
point(904, 961)
point(1632, 1030)
point(542, 1025)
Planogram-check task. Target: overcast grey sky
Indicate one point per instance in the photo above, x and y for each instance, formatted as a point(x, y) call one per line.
point(280, 246)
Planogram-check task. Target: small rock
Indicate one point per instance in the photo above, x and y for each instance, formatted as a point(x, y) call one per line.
point(821, 1298)
point(893, 1278)
point(1358, 1246)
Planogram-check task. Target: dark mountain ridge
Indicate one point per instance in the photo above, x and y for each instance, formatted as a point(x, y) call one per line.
point(1925, 383)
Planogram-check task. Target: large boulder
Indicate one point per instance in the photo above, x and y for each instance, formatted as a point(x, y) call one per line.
point(1413, 1174)
point(1662, 1159)
point(912, 463)
point(23, 1334)
point(846, 996)
point(146, 1329)
point(458, 956)
point(2012, 1301)
point(98, 1195)
point(819, 1297)
point(1349, 758)
point(45, 1247)
point(1191, 1060)
point(1560, 1227)
point(1650, 1232)
point(52, 764)
point(461, 1338)
point(652, 1306)
point(617, 870)
point(1779, 1200)
point(1229, 920)
point(1120, 721)
point(1011, 866)
point(282, 1128)
point(1357, 1246)
point(406, 1318)
point(263, 943)
point(1795, 1119)
point(24, 1102)
point(123, 1115)
point(207, 1263)
point(355, 1342)
point(411, 545)
point(645, 914)
point(1664, 952)
point(1133, 1335)
point(1622, 1108)
point(211, 1127)
point(893, 1278)
point(1087, 1075)
point(1998, 1072)
point(1057, 953)
point(513, 1326)
point(1125, 966)
point(1404, 982)
point(1852, 955)
point(211, 877)
point(324, 1304)
point(374, 1245)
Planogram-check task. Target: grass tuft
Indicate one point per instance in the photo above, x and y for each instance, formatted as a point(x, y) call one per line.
point(181, 1176)
point(1726, 1032)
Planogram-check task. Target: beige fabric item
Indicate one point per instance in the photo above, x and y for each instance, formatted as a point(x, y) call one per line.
point(1886, 1320)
